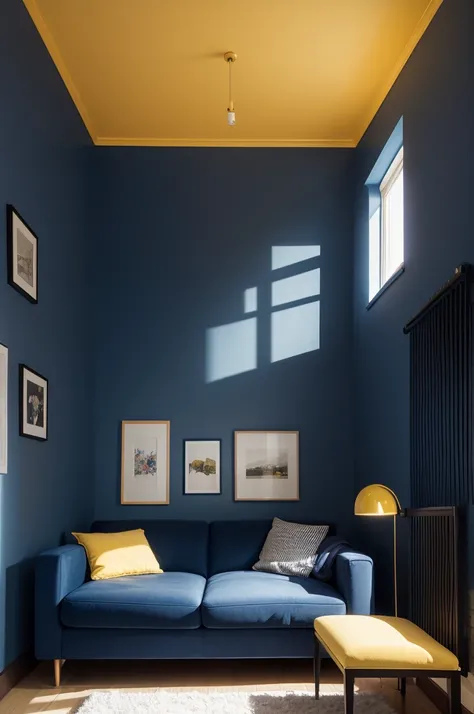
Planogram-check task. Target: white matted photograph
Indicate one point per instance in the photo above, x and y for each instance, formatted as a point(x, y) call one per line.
point(202, 466)
point(22, 245)
point(3, 409)
point(145, 462)
point(33, 404)
point(266, 466)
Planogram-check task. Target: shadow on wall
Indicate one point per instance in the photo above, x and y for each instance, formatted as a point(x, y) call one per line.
point(291, 307)
point(19, 588)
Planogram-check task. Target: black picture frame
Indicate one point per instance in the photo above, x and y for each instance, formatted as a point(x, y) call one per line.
point(29, 429)
point(202, 493)
point(13, 279)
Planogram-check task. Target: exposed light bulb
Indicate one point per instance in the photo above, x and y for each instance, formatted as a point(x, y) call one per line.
point(230, 118)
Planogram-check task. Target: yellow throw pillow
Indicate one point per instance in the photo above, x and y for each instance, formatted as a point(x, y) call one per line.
point(112, 555)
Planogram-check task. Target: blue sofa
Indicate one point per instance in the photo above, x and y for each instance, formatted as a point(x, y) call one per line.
point(208, 603)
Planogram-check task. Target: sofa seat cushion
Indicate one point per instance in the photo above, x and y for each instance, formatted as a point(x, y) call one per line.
point(161, 602)
point(249, 599)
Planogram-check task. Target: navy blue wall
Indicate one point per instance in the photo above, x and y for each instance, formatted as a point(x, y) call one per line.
point(435, 95)
point(43, 150)
point(179, 235)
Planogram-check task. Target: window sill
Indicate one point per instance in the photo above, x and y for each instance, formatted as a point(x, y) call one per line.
point(386, 285)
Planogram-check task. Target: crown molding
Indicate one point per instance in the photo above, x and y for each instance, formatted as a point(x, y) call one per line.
point(268, 143)
point(383, 91)
point(58, 60)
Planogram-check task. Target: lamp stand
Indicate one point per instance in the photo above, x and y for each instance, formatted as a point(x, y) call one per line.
point(395, 564)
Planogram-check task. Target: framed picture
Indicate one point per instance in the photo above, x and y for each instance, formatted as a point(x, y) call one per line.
point(33, 404)
point(3, 409)
point(22, 256)
point(202, 466)
point(266, 466)
point(145, 462)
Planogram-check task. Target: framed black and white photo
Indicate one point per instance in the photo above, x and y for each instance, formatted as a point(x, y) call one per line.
point(145, 463)
point(33, 404)
point(22, 245)
point(202, 466)
point(266, 466)
point(3, 409)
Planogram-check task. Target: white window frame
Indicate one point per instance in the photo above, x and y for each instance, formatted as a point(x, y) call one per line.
point(393, 172)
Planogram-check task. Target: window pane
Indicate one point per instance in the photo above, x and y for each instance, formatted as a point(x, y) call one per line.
point(393, 228)
point(374, 254)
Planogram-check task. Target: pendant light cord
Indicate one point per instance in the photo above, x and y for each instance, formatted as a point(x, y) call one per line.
point(231, 103)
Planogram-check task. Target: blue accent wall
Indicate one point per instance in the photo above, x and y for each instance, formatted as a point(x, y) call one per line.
point(435, 96)
point(142, 250)
point(179, 235)
point(43, 161)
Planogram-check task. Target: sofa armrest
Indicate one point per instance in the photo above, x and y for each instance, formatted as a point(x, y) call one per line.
point(354, 580)
point(57, 573)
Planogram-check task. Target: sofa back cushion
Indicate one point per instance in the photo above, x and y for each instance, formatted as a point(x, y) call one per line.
point(236, 545)
point(179, 546)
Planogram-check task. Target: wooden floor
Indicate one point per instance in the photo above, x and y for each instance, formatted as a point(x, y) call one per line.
point(36, 694)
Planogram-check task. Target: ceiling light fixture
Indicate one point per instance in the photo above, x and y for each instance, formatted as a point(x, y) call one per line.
point(230, 58)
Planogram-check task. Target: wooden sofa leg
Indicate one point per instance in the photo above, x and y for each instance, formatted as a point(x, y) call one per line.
point(454, 692)
point(58, 663)
point(348, 693)
point(317, 666)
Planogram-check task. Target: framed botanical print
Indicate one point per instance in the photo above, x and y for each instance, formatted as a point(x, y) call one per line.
point(3, 409)
point(22, 257)
point(33, 404)
point(202, 466)
point(266, 466)
point(145, 462)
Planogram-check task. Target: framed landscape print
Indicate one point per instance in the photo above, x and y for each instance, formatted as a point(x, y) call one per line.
point(266, 466)
point(22, 246)
point(3, 409)
point(145, 462)
point(33, 404)
point(202, 466)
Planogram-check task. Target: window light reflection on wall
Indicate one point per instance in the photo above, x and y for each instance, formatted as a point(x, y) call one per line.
point(231, 349)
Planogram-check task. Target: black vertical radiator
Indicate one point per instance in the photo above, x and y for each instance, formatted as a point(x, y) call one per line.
point(441, 400)
point(441, 461)
point(438, 577)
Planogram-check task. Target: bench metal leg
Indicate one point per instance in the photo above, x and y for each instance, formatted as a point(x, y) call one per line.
point(402, 685)
point(348, 692)
point(454, 692)
point(317, 666)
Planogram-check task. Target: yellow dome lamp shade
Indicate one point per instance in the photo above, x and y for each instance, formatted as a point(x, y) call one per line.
point(378, 501)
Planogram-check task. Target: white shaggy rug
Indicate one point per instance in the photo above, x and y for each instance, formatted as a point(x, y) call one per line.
point(189, 702)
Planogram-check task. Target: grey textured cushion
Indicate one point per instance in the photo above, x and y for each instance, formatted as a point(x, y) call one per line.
point(290, 548)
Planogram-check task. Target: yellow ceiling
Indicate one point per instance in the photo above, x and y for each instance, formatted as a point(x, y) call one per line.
point(151, 72)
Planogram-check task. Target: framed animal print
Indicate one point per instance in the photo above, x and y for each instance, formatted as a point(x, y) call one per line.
point(33, 404)
point(202, 466)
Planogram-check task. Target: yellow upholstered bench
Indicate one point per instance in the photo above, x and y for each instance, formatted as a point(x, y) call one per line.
point(370, 646)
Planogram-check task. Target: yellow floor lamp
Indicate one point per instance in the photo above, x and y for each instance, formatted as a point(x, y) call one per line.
point(378, 500)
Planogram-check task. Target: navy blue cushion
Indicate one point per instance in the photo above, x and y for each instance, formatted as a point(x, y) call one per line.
point(166, 601)
point(254, 599)
point(179, 546)
point(236, 545)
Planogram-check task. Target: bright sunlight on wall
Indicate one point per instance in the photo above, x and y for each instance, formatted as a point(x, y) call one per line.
point(294, 317)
